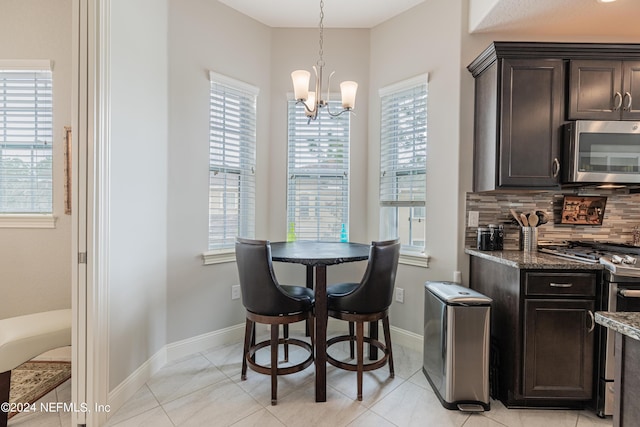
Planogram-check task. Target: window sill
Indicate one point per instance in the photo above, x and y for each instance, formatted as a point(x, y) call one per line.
point(416, 259)
point(218, 257)
point(27, 221)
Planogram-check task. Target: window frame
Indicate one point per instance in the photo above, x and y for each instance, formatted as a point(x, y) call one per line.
point(389, 190)
point(35, 219)
point(238, 158)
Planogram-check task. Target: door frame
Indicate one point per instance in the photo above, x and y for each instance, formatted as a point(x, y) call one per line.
point(90, 215)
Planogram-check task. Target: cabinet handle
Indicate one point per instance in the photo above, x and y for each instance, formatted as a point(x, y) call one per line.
point(556, 167)
point(629, 293)
point(617, 98)
point(593, 321)
point(560, 285)
point(627, 106)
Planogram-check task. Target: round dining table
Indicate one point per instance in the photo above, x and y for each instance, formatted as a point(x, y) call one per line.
point(317, 256)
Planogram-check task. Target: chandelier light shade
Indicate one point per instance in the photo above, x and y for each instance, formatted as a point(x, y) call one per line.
point(301, 84)
point(312, 100)
point(348, 90)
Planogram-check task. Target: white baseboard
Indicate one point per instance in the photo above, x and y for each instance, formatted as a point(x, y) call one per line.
point(204, 342)
point(407, 339)
point(130, 386)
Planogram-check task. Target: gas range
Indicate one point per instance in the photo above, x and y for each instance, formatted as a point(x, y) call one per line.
point(619, 258)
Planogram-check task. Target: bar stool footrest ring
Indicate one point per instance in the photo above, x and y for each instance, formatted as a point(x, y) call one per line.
point(352, 366)
point(262, 369)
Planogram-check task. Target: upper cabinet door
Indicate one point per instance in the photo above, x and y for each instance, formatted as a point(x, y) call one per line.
point(595, 90)
point(532, 111)
point(631, 90)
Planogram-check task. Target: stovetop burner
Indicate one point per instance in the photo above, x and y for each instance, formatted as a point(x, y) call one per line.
point(618, 258)
point(574, 250)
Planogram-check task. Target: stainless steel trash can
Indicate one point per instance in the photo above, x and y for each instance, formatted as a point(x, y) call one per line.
point(456, 345)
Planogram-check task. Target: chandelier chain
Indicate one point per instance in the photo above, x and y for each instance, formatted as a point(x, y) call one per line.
point(312, 100)
point(321, 42)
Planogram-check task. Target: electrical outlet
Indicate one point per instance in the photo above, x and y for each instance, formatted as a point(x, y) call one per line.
point(235, 292)
point(474, 219)
point(400, 295)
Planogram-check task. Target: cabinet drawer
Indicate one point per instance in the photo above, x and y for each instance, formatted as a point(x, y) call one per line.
point(565, 284)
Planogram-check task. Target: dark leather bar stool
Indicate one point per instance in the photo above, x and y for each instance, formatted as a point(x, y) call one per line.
point(268, 302)
point(366, 301)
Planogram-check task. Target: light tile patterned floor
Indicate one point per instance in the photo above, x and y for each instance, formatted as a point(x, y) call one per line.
point(204, 389)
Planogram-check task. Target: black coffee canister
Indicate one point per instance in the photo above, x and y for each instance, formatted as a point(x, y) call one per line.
point(496, 233)
point(484, 239)
point(490, 238)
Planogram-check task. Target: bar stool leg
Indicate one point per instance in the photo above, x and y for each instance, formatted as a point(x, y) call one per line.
point(387, 339)
point(274, 364)
point(360, 344)
point(248, 333)
point(285, 333)
point(352, 336)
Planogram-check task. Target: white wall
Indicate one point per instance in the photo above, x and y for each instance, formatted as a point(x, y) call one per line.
point(138, 196)
point(422, 40)
point(206, 35)
point(35, 265)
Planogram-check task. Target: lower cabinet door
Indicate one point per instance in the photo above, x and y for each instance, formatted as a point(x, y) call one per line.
point(558, 349)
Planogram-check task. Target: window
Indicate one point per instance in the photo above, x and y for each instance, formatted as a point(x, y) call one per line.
point(26, 138)
point(403, 163)
point(318, 175)
point(232, 152)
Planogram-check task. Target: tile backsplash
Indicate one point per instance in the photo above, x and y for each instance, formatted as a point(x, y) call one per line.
point(622, 213)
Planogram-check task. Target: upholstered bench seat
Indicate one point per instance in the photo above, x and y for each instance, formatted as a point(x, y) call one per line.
point(24, 337)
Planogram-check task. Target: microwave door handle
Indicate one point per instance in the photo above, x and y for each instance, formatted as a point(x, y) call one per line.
point(618, 101)
point(627, 96)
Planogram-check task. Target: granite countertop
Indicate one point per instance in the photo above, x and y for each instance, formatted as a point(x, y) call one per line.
point(627, 323)
point(532, 260)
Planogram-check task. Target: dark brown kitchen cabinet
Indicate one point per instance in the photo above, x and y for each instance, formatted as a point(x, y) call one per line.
point(604, 90)
point(519, 105)
point(525, 92)
point(558, 348)
point(542, 338)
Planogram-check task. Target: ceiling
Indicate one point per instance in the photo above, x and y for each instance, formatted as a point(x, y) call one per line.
point(558, 17)
point(551, 17)
point(306, 13)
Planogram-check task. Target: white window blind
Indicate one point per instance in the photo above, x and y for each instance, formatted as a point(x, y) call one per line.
point(403, 154)
point(318, 174)
point(26, 138)
point(232, 153)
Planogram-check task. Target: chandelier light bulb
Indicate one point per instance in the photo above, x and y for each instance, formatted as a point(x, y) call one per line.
point(310, 103)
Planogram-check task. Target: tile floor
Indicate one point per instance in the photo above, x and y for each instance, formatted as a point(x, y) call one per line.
point(204, 389)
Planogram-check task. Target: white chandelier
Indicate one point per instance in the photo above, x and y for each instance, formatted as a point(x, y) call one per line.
point(313, 101)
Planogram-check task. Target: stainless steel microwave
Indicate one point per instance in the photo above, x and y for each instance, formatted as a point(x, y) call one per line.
point(602, 152)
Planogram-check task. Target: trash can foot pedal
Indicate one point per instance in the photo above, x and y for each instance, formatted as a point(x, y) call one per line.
point(470, 407)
